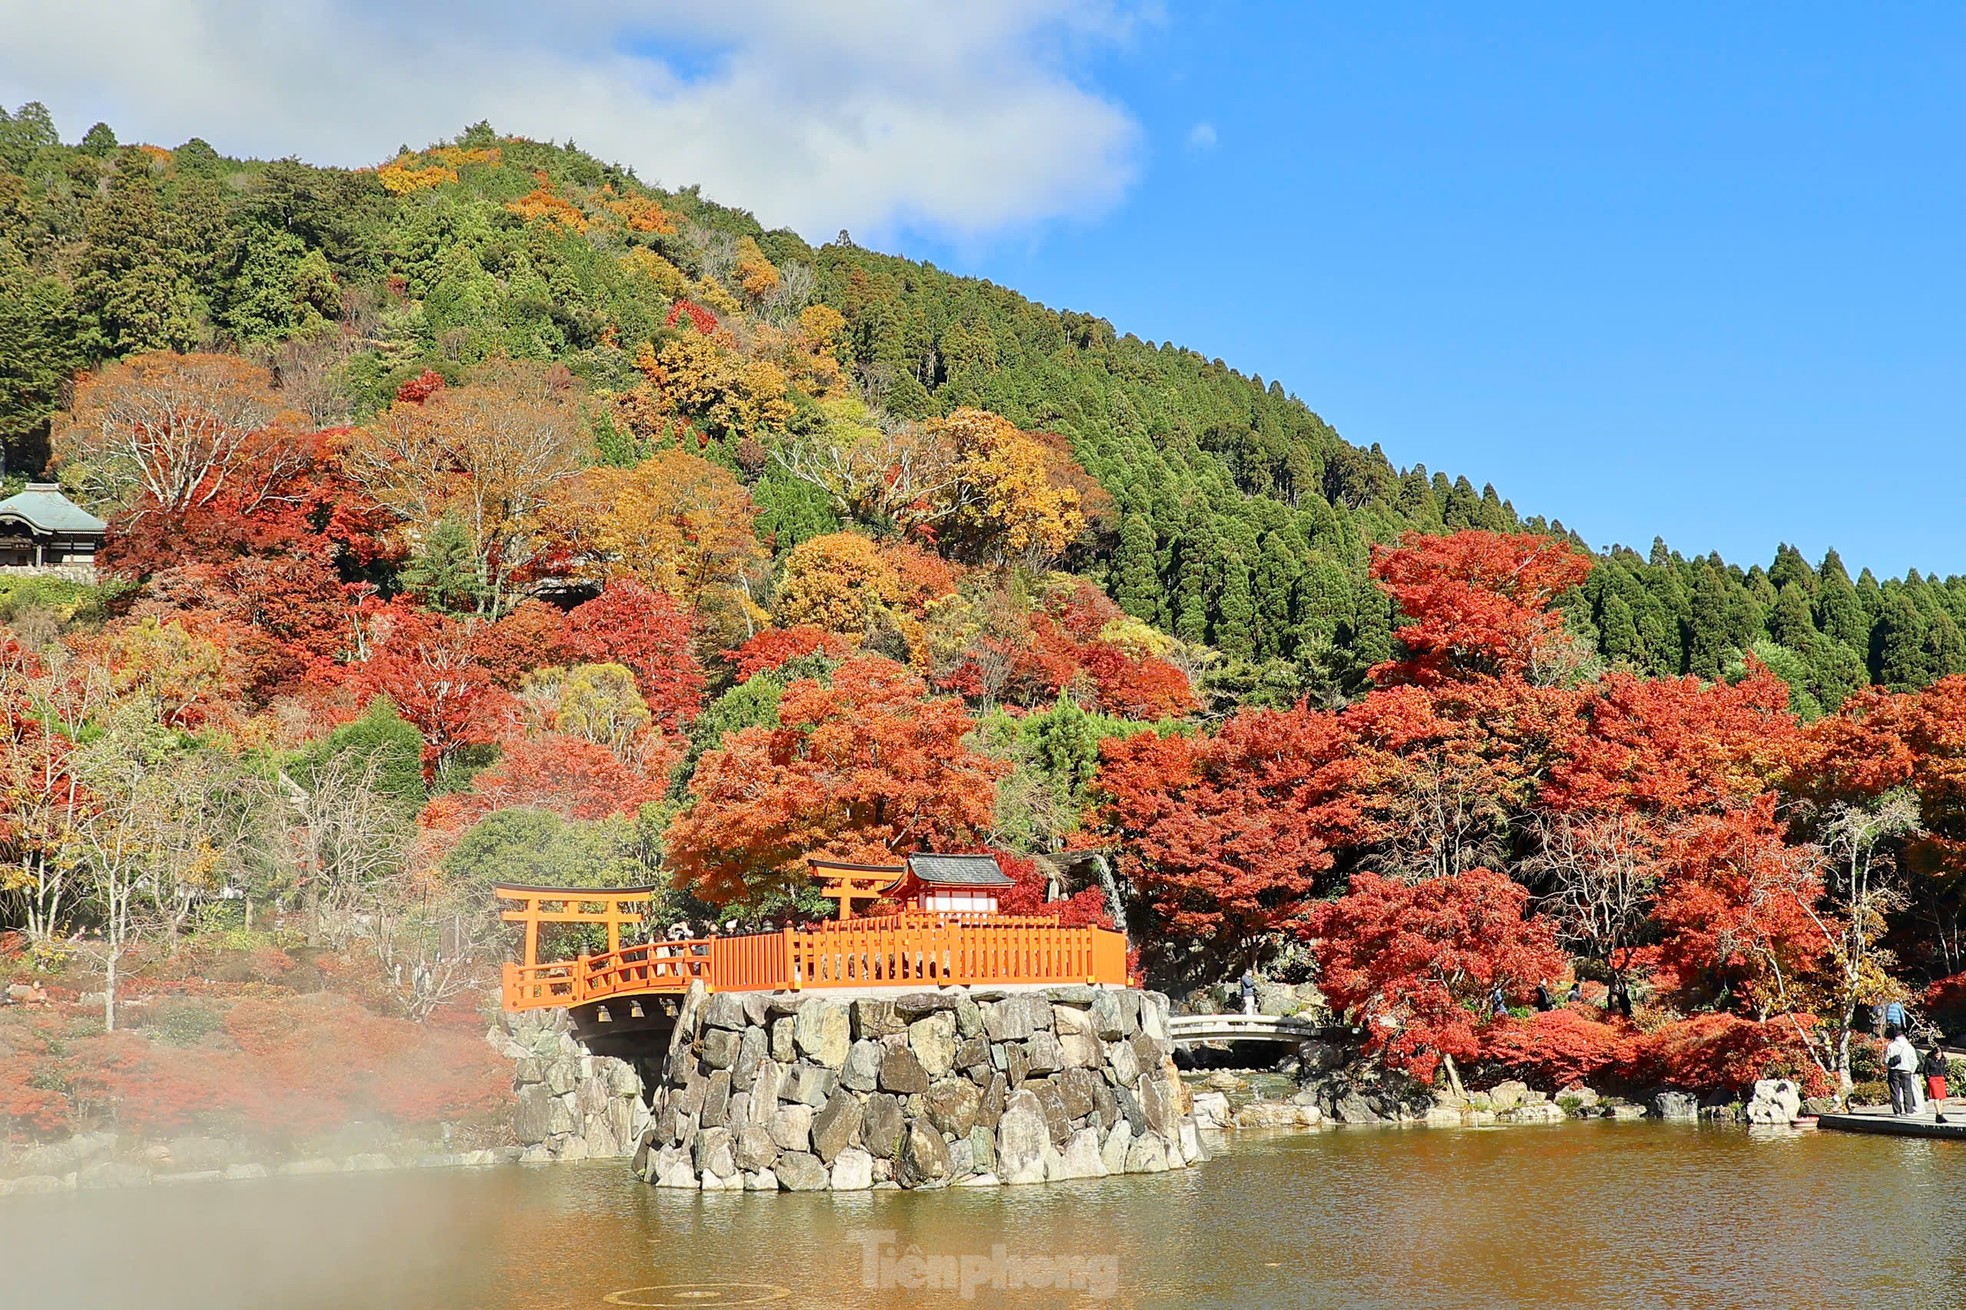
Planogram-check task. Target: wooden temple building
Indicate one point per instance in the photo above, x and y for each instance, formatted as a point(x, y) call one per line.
point(42, 529)
point(947, 932)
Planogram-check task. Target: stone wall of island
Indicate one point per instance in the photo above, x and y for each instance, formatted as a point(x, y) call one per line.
point(958, 1087)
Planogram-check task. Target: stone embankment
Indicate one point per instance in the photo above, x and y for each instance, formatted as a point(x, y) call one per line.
point(1348, 1098)
point(959, 1087)
point(568, 1104)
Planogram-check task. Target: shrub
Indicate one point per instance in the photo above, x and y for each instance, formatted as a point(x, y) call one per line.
point(1723, 1052)
point(1549, 1051)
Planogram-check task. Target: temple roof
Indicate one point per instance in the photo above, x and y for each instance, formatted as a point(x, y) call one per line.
point(959, 870)
point(44, 508)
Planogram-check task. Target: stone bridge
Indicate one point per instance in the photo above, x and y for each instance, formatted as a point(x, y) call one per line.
point(1187, 1028)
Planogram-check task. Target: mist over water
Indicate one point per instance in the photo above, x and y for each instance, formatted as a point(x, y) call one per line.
point(1602, 1215)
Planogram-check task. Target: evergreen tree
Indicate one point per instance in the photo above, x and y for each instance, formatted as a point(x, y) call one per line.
point(443, 573)
point(1137, 586)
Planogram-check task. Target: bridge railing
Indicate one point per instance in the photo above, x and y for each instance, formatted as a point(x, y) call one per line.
point(896, 950)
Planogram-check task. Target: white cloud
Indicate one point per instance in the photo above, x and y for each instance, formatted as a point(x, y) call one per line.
point(1201, 136)
point(817, 114)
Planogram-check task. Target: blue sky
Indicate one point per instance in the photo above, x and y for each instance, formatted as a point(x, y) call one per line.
point(1671, 269)
point(1650, 272)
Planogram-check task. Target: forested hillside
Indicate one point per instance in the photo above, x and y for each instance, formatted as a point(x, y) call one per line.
point(1232, 516)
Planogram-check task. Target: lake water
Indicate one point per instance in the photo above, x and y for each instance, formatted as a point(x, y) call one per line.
point(1572, 1215)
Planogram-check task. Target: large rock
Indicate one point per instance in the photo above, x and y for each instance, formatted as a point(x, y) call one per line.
point(1153, 1016)
point(720, 1047)
point(853, 1171)
point(983, 1150)
point(1147, 1155)
point(1508, 1095)
point(952, 1105)
point(913, 1005)
point(725, 1010)
point(836, 1126)
point(862, 1070)
point(1212, 1110)
point(1022, 1139)
point(532, 1117)
point(933, 1040)
point(104, 1174)
point(1125, 1063)
point(755, 1148)
point(969, 1017)
point(881, 1125)
point(1082, 1051)
point(823, 1031)
point(990, 1110)
point(1056, 1117)
point(1077, 1087)
point(924, 1158)
point(809, 1085)
point(1108, 1020)
point(873, 1018)
point(1775, 1101)
point(714, 1153)
point(1080, 1157)
point(752, 1052)
point(716, 1100)
point(799, 1171)
point(1112, 1154)
point(1677, 1106)
point(1010, 1020)
point(1157, 1105)
point(902, 1072)
point(783, 1048)
point(765, 1088)
point(791, 1127)
point(1045, 1053)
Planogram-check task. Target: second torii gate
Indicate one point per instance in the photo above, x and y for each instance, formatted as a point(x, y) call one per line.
point(847, 883)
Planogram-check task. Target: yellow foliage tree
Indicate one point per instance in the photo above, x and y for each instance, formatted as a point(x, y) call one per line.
point(704, 379)
point(402, 176)
point(839, 582)
point(1002, 504)
point(679, 523)
point(755, 273)
point(600, 703)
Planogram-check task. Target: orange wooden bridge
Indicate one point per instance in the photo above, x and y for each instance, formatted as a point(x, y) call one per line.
point(621, 991)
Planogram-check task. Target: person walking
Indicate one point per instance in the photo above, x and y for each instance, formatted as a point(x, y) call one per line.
point(1498, 1004)
point(1543, 997)
point(1935, 1068)
point(1248, 992)
point(1900, 1067)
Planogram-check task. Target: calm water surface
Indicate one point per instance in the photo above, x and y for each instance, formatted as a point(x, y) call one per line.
point(1599, 1215)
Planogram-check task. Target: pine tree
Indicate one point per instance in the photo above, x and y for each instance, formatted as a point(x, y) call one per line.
point(1708, 640)
point(1618, 633)
point(1840, 615)
point(1136, 579)
point(1900, 659)
point(444, 571)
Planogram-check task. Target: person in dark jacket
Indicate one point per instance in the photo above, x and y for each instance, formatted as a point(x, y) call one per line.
point(1543, 997)
point(1935, 1067)
point(1248, 992)
point(1619, 999)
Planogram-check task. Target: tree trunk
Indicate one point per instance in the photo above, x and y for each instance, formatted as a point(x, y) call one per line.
point(109, 992)
point(1114, 906)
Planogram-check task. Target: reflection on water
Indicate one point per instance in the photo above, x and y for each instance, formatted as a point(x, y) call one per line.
point(1608, 1215)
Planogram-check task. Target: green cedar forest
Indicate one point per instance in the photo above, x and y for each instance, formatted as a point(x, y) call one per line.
point(1238, 518)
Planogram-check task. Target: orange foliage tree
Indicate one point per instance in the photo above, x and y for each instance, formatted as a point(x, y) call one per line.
point(862, 769)
point(1227, 836)
point(1415, 963)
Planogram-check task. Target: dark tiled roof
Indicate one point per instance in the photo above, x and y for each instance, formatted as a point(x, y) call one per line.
point(959, 870)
